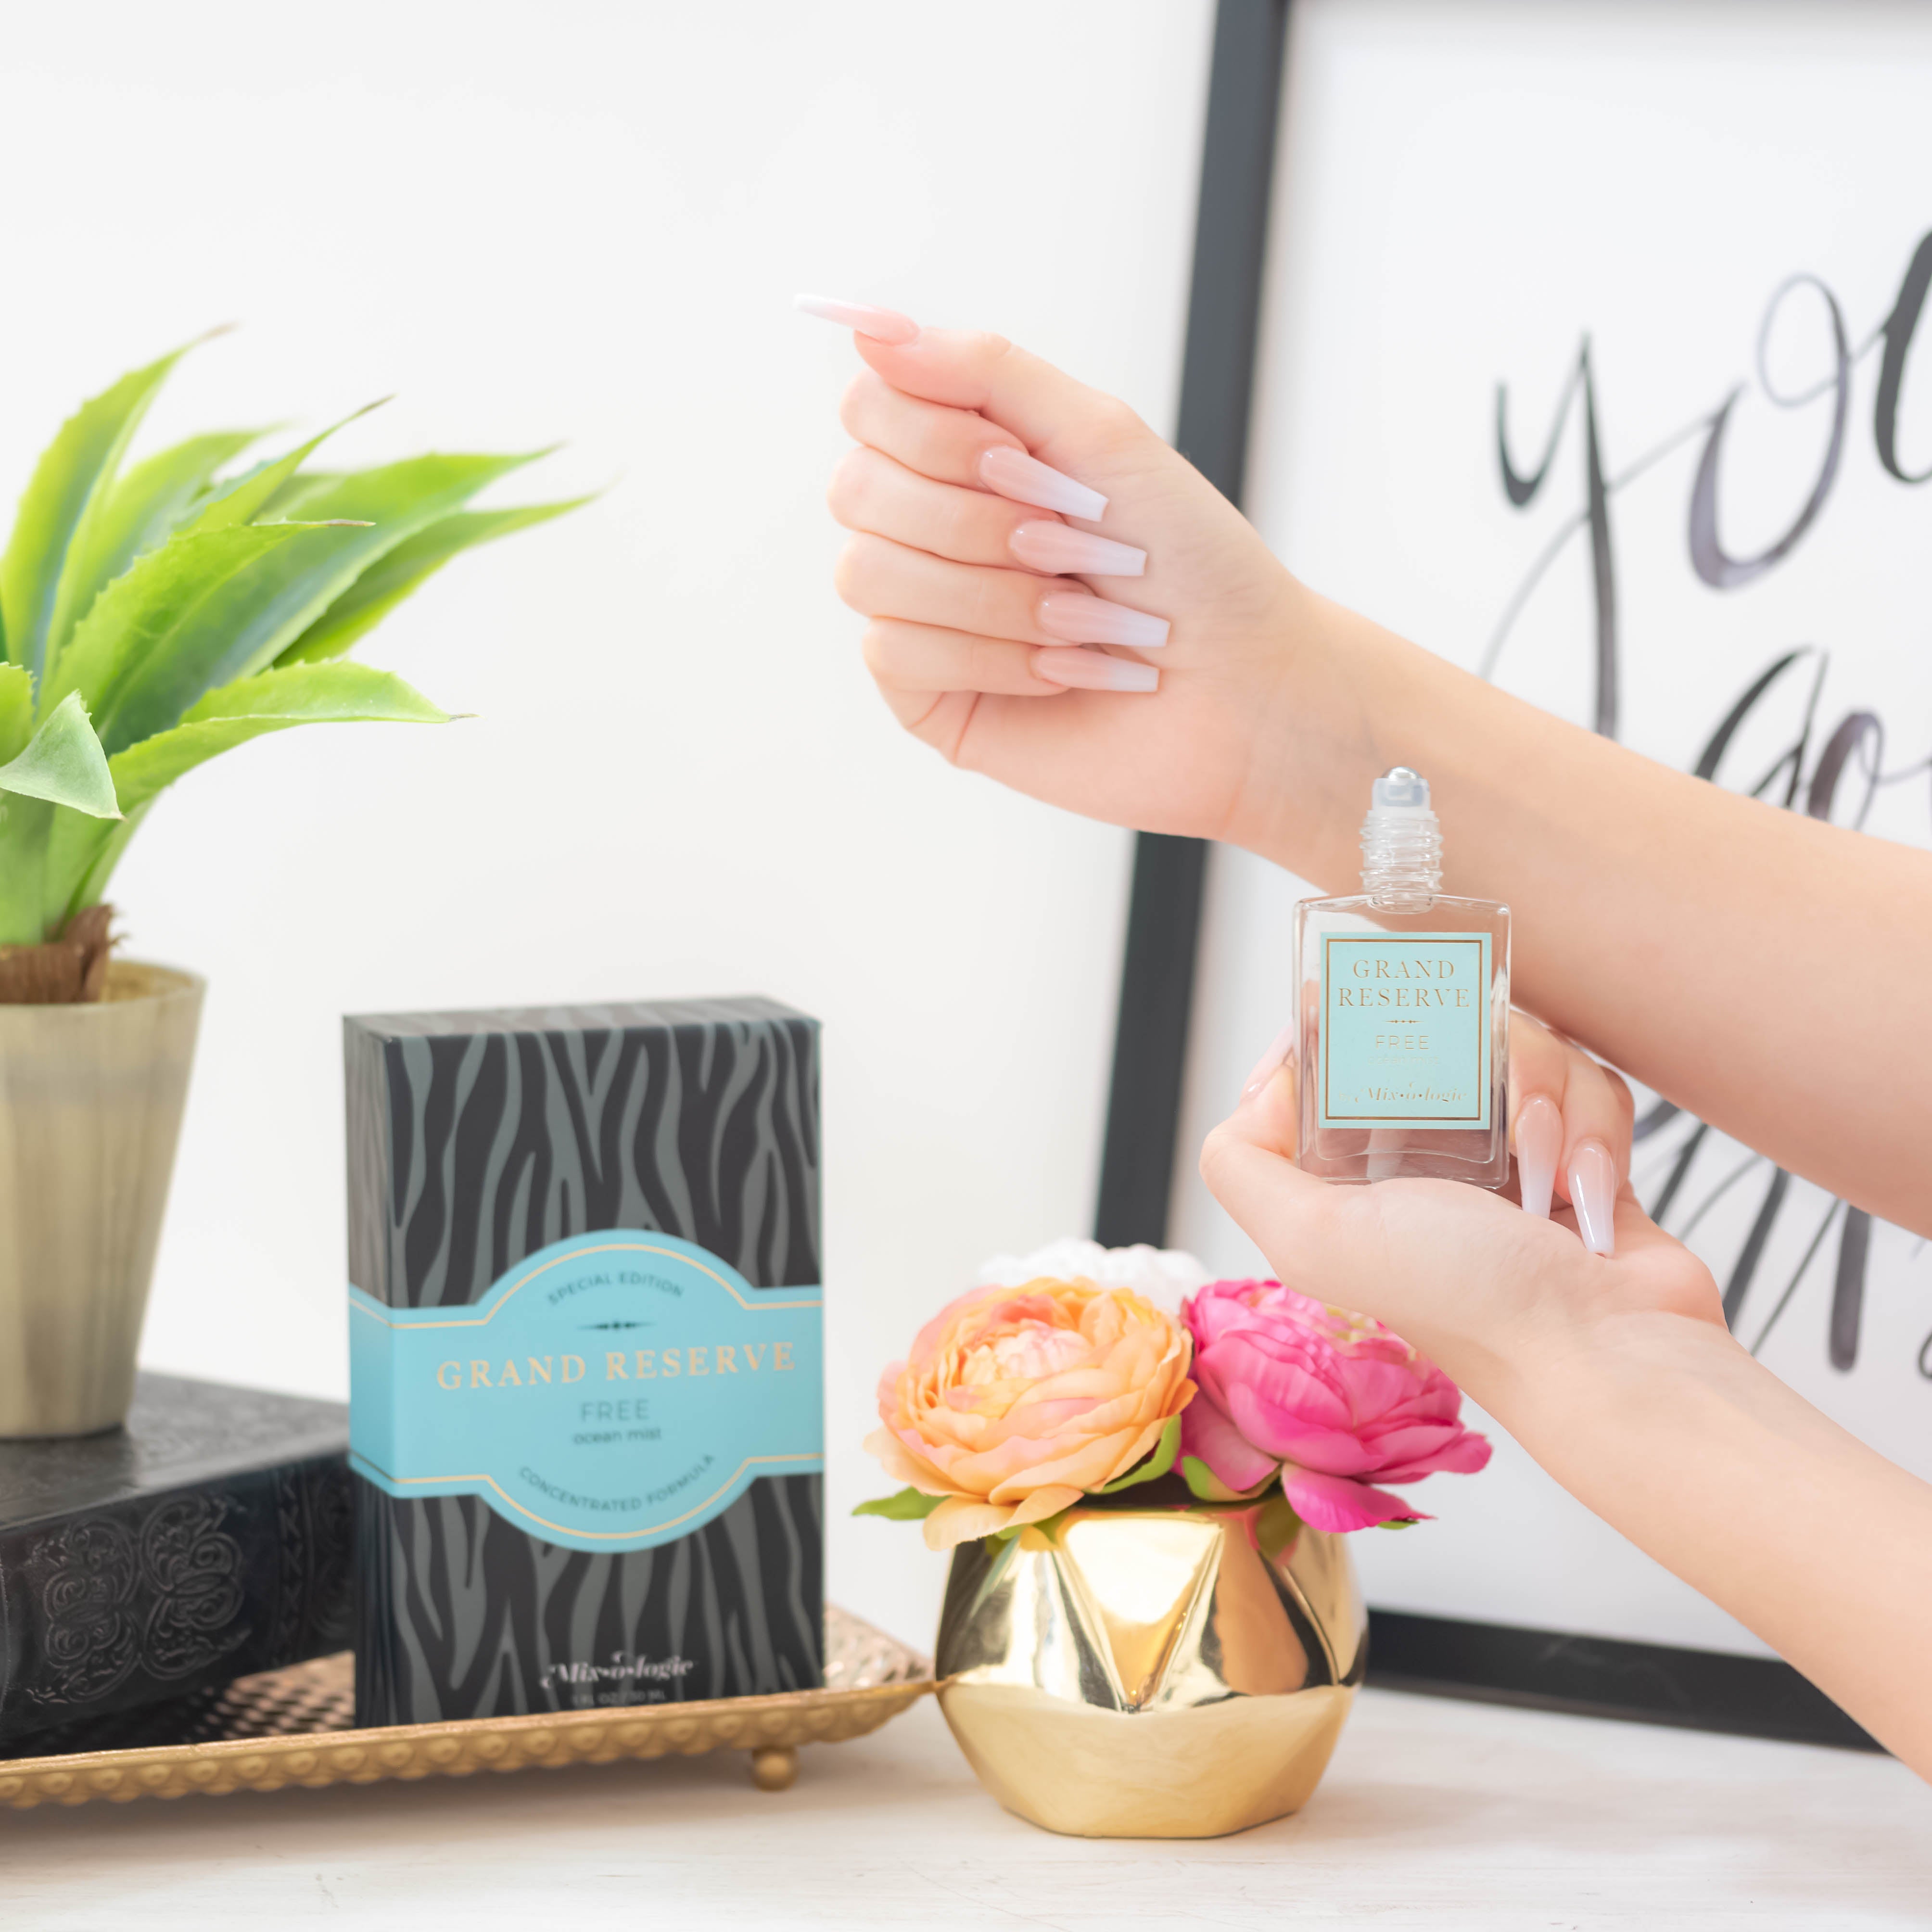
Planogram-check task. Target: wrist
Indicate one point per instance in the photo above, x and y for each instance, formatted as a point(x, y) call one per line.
point(1335, 709)
point(1570, 1365)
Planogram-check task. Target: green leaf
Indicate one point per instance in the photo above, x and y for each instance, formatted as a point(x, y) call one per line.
point(39, 593)
point(274, 701)
point(176, 602)
point(908, 1506)
point(64, 763)
point(64, 899)
point(23, 861)
point(239, 501)
point(406, 568)
point(261, 609)
point(1157, 1464)
point(1201, 1481)
point(16, 710)
point(1277, 1523)
point(81, 854)
point(146, 506)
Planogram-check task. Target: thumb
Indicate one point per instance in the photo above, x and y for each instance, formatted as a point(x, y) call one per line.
point(1296, 1221)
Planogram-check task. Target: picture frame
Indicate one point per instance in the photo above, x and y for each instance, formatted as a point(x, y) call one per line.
point(1775, 1243)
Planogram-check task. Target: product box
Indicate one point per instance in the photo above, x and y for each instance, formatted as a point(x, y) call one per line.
point(208, 1538)
point(586, 1409)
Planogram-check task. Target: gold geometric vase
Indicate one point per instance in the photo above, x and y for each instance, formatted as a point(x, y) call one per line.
point(1174, 1672)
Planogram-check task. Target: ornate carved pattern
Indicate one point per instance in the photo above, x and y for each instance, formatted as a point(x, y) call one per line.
point(161, 1597)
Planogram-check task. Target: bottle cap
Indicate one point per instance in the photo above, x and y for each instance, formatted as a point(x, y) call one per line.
point(1399, 789)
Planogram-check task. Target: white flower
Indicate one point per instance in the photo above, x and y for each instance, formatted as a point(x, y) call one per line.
point(1162, 1275)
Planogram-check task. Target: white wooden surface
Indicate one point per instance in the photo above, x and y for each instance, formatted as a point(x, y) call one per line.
point(1435, 1816)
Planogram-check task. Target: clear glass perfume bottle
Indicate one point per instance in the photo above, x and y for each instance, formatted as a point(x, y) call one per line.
point(1403, 993)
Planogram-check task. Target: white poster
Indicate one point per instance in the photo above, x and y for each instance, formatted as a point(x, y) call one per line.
point(1593, 359)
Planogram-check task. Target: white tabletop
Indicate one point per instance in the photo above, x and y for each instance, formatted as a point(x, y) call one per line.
point(1434, 1815)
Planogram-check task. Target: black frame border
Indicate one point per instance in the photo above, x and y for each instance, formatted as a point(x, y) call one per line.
point(1551, 1670)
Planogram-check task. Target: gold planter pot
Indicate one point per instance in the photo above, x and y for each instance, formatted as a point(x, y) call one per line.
point(91, 1099)
point(1160, 1672)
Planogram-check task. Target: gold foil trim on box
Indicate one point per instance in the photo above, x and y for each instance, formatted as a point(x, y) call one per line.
point(295, 1726)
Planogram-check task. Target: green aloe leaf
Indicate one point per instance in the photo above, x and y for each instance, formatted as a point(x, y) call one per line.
point(146, 506)
point(81, 853)
point(406, 568)
point(240, 502)
point(63, 762)
point(39, 593)
point(907, 1506)
point(68, 851)
point(180, 602)
point(23, 862)
point(1158, 1464)
point(273, 701)
point(16, 710)
point(243, 626)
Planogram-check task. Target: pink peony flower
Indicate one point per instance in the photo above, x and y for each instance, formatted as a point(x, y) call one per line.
point(1018, 1401)
point(1334, 1400)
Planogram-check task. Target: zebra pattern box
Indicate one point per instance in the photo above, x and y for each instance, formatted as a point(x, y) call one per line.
point(586, 1411)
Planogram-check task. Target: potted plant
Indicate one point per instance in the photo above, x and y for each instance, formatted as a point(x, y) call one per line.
point(155, 616)
point(1152, 1626)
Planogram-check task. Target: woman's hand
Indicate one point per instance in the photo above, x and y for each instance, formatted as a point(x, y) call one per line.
point(1003, 635)
point(1484, 1286)
point(1616, 1374)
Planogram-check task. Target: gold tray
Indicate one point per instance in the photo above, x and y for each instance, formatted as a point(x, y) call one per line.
point(296, 1727)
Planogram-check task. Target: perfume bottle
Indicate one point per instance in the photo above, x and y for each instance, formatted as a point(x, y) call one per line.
point(1403, 993)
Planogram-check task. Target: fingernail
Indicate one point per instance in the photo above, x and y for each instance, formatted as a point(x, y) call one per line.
point(1013, 473)
point(1090, 671)
point(881, 324)
point(1593, 1193)
point(1266, 1066)
point(1539, 1146)
point(1066, 551)
point(1074, 618)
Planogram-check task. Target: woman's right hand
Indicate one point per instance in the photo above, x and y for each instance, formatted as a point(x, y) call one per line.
point(991, 637)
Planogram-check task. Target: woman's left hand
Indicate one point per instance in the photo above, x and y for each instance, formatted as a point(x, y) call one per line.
point(1479, 1284)
point(1570, 1129)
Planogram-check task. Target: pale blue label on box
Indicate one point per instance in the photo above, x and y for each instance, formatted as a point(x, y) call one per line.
point(614, 1391)
point(1405, 1029)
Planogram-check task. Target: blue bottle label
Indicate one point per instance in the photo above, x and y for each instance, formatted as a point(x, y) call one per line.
point(1405, 1039)
point(615, 1391)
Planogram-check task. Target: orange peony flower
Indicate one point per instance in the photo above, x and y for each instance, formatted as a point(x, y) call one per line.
point(1016, 1402)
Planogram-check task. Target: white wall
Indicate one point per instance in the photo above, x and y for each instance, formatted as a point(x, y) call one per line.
point(585, 222)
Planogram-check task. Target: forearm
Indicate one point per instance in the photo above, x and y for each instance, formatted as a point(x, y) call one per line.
point(1673, 1434)
point(1750, 964)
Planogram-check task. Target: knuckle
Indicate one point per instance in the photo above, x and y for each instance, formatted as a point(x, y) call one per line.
point(845, 494)
point(875, 647)
point(850, 572)
point(1215, 1151)
point(854, 406)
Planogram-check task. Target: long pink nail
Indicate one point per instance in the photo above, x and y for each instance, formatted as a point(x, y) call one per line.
point(1266, 1066)
point(1090, 670)
point(1593, 1193)
point(1074, 618)
point(1011, 472)
point(881, 324)
point(1065, 551)
point(1539, 1146)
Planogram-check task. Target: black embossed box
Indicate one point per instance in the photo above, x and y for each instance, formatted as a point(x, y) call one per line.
point(586, 1421)
point(208, 1538)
